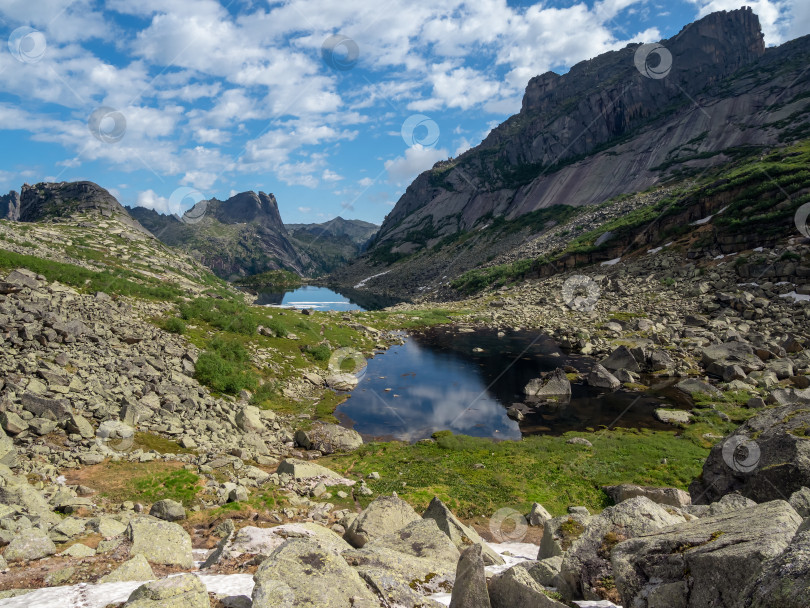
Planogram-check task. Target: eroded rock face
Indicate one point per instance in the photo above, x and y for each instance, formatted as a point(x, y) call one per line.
point(385, 515)
point(10, 206)
point(586, 565)
point(707, 562)
point(301, 572)
point(764, 459)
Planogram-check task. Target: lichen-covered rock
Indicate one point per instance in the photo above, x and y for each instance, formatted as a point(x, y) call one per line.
point(301, 469)
point(515, 588)
point(705, 562)
point(470, 587)
point(183, 591)
point(301, 572)
point(135, 569)
point(78, 550)
point(29, 544)
point(560, 532)
point(785, 580)
point(382, 516)
point(766, 458)
point(160, 542)
point(249, 419)
point(461, 535)
point(8, 453)
point(328, 438)
point(586, 566)
point(417, 559)
point(800, 501)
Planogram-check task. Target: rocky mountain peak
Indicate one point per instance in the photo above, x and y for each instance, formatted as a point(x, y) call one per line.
point(10, 206)
point(49, 201)
point(247, 207)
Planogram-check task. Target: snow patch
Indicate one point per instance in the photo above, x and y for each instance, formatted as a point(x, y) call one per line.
point(656, 250)
point(707, 219)
point(362, 283)
point(612, 262)
point(797, 297)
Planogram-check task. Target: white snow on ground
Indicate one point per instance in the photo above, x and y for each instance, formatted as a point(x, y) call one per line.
point(656, 250)
point(707, 219)
point(98, 596)
point(362, 283)
point(668, 244)
point(797, 297)
point(612, 262)
point(759, 249)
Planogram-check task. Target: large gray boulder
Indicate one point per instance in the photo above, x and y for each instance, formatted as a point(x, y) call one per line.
point(135, 569)
point(301, 469)
point(250, 420)
point(718, 357)
point(621, 358)
point(168, 510)
point(301, 572)
point(328, 438)
point(413, 561)
point(800, 501)
point(183, 591)
point(29, 544)
point(384, 515)
point(600, 377)
point(691, 386)
point(586, 567)
point(673, 497)
point(706, 562)
point(785, 580)
point(555, 386)
point(160, 542)
point(461, 535)
point(560, 532)
point(8, 453)
point(470, 587)
point(766, 458)
point(515, 587)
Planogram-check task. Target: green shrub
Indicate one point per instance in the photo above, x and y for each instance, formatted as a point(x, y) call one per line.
point(225, 367)
point(174, 325)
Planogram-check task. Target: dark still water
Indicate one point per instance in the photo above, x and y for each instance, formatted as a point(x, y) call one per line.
point(436, 381)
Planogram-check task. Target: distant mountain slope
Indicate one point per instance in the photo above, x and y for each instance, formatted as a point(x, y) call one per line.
point(239, 237)
point(599, 131)
point(10, 206)
point(331, 244)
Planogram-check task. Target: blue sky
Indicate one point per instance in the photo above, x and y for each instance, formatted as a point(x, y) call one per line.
point(333, 106)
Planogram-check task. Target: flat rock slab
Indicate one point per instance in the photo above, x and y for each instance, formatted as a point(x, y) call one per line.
point(301, 469)
point(384, 515)
point(706, 562)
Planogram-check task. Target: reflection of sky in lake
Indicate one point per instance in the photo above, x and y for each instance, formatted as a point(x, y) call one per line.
point(308, 296)
point(436, 391)
point(442, 379)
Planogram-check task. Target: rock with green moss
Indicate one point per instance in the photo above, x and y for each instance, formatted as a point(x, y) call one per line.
point(383, 516)
point(28, 545)
point(462, 536)
point(586, 564)
point(183, 591)
point(302, 572)
point(160, 542)
point(135, 569)
point(705, 562)
point(560, 532)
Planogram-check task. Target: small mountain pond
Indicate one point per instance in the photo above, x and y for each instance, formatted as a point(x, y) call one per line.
point(444, 378)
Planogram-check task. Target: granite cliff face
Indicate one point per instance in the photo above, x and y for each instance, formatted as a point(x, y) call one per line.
point(10, 206)
point(713, 93)
point(241, 236)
